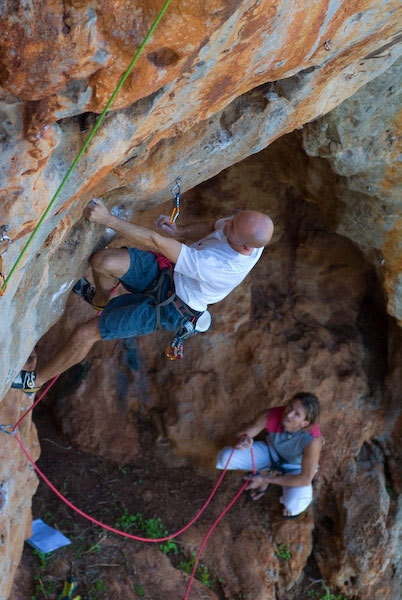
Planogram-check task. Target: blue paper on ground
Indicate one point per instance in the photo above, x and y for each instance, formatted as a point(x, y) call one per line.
point(45, 538)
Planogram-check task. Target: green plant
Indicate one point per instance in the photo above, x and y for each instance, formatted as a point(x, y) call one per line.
point(122, 470)
point(126, 521)
point(283, 552)
point(390, 491)
point(42, 558)
point(79, 544)
point(94, 548)
point(169, 546)
point(100, 586)
point(201, 572)
point(324, 593)
point(150, 528)
point(139, 590)
point(43, 586)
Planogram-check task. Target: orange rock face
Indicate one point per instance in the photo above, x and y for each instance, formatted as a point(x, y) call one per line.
point(217, 82)
point(18, 481)
point(309, 317)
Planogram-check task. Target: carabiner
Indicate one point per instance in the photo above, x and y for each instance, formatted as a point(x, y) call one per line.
point(4, 428)
point(176, 189)
point(5, 240)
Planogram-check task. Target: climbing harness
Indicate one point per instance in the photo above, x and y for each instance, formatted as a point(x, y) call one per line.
point(6, 280)
point(5, 242)
point(193, 321)
point(176, 190)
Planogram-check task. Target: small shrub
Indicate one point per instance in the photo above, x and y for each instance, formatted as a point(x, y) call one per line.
point(324, 594)
point(201, 572)
point(139, 590)
point(150, 528)
point(283, 552)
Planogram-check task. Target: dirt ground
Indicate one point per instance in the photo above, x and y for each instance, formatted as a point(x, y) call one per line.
point(165, 490)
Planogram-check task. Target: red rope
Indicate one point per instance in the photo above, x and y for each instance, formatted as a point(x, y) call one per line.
point(108, 527)
point(53, 381)
point(223, 513)
point(124, 533)
point(139, 538)
point(206, 538)
point(44, 392)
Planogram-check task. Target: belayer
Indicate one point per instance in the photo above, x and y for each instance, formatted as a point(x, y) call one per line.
point(289, 454)
point(170, 284)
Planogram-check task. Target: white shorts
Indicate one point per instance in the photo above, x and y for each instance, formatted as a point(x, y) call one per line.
point(295, 499)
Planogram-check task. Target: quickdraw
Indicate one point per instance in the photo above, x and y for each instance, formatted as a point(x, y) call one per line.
point(4, 428)
point(197, 324)
point(175, 349)
point(5, 241)
point(176, 190)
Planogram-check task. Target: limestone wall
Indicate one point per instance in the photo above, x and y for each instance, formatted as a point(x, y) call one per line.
point(218, 83)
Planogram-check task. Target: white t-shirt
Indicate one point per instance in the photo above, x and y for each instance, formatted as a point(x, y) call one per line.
point(208, 270)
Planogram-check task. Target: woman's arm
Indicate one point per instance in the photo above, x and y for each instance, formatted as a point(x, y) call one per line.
point(248, 433)
point(309, 466)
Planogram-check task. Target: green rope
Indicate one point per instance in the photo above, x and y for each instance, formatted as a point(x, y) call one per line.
point(86, 144)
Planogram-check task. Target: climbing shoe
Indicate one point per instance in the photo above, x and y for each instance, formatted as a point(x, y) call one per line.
point(86, 291)
point(25, 381)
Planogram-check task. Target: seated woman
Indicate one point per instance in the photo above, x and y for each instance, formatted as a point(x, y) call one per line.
point(290, 452)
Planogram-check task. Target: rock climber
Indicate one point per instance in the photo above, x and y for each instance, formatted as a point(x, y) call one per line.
point(220, 257)
point(289, 454)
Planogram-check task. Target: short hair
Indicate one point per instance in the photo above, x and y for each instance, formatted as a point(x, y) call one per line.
point(310, 404)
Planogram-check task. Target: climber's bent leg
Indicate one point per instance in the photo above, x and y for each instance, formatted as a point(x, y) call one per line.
point(243, 459)
point(296, 499)
point(108, 266)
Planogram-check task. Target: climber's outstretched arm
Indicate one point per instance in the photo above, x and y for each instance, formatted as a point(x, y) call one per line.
point(137, 235)
point(191, 231)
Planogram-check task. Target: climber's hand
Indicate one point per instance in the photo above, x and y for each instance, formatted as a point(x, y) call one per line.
point(257, 486)
point(163, 224)
point(97, 212)
point(244, 441)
